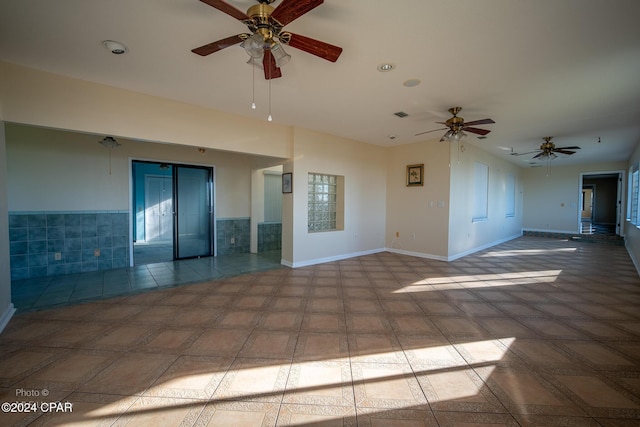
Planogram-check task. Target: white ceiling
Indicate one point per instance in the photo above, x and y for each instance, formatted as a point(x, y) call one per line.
point(568, 69)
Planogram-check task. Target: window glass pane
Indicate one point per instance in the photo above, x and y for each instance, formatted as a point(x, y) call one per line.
point(481, 191)
point(322, 202)
point(510, 195)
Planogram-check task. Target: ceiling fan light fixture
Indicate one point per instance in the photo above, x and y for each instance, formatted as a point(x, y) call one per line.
point(280, 55)
point(458, 136)
point(447, 136)
point(254, 45)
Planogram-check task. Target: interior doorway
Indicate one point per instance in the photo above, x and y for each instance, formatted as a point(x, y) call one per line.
point(172, 208)
point(601, 203)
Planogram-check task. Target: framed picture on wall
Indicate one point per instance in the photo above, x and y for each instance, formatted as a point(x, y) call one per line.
point(415, 175)
point(287, 182)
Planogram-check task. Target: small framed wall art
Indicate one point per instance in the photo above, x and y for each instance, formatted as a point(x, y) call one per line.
point(287, 182)
point(415, 175)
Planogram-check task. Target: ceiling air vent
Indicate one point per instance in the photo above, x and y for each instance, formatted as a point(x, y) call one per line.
point(401, 114)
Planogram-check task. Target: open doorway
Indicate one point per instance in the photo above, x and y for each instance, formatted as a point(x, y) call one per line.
point(172, 208)
point(601, 202)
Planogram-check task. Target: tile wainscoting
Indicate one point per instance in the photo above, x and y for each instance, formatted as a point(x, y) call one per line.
point(54, 243)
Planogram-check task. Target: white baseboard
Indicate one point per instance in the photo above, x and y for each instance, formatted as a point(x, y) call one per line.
point(543, 230)
point(417, 254)
point(483, 247)
point(329, 259)
point(6, 316)
point(632, 256)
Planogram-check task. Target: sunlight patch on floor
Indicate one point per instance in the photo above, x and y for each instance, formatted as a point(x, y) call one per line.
point(480, 281)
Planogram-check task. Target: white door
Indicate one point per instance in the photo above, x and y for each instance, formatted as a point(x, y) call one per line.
point(158, 209)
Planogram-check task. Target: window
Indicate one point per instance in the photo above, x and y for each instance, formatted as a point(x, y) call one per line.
point(326, 209)
point(510, 196)
point(480, 191)
point(632, 211)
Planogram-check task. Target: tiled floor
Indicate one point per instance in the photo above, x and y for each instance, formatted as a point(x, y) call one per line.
point(533, 332)
point(48, 292)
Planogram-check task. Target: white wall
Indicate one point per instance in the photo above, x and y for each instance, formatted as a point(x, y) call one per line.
point(6, 307)
point(465, 235)
point(552, 197)
point(51, 170)
point(419, 214)
point(364, 169)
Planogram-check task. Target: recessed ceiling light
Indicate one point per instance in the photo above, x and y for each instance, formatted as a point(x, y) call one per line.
point(387, 66)
point(411, 83)
point(114, 47)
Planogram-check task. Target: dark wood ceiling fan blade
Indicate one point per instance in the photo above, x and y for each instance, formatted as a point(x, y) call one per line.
point(227, 8)
point(210, 48)
point(429, 131)
point(269, 65)
point(289, 10)
point(538, 155)
point(567, 148)
point(480, 122)
point(476, 130)
point(560, 150)
point(315, 47)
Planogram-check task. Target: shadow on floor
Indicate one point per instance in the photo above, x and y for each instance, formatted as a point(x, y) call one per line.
point(54, 291)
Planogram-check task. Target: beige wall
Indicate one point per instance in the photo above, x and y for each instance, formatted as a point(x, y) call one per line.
point(466, 235)
point(364, 169)
point(43, 99)
point(419, 215)
point(65, 171)
point(6, 307)
point(552, 197)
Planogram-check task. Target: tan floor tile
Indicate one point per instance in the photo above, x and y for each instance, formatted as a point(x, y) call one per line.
point(70, 370)
point(458, 327)
point(320, 383)
point(194, 377)
point(16, 365)
point(472, 419)
point(132, 374)
point(256, 380)
point(169, 340)
point(238, 319)
point(288, 303)
point(324, 322)
point(321, 346)
point(600, 399)
point(524, 392)
point(457, 389)
point(413, 325)
point(86, 409)
point(281, 320)
point(238, 414)
point(196, 316)
point(270, 344)
point(368, 323)
point(316, 415)
point(122, 337)
point(386, 385)
point(219, 342)
point(162, 411)
point(384, 417)
point(383, 348)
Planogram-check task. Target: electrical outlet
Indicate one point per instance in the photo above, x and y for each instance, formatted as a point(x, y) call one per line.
point(233, 240)
point(96, 252)
point(57, 256)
